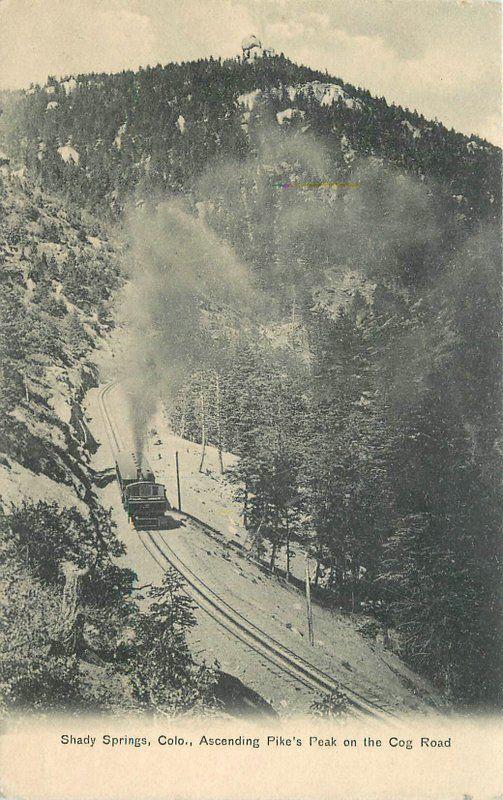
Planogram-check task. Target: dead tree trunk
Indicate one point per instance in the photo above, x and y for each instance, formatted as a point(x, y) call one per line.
point(287, 527)
point(72, 633)
point(183, 418)
point(203, 430)
point(219, 422)
point(355, 585)
point(272, 564)
point(245, 507)
point(275, 541)
point(256, 545)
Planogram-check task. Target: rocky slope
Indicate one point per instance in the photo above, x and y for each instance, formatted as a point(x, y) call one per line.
point(58, 271)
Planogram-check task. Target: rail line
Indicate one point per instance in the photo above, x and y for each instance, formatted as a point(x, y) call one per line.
point(231, 620)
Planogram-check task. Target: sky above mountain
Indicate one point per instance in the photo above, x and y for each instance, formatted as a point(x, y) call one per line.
point(442, 57)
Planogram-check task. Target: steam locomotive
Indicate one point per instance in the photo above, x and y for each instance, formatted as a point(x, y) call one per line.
point(143, 498)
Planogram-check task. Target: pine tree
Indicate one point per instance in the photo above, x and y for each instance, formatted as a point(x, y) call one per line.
point(164, 675)
point(343, 475)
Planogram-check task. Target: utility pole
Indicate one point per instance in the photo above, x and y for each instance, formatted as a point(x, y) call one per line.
point(219, 421)
point(178, 482)
point(310, 627)
point(203, 429)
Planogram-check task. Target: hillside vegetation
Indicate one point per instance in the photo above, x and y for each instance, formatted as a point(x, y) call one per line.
point(98, 137)
point(361, 392)
point(73, 637)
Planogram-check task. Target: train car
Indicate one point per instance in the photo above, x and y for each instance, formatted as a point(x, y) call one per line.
point(143, 498)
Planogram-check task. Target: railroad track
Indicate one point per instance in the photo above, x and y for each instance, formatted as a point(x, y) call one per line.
point(231, 620)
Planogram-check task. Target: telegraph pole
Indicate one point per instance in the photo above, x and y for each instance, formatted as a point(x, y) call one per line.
point(310, 626)
point(178, 482)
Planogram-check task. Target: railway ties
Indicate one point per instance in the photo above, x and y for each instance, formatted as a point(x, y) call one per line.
point(272, 655)
point(283, 658)
point(266, 660)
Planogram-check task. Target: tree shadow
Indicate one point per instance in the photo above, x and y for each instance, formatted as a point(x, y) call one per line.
point(239, 700)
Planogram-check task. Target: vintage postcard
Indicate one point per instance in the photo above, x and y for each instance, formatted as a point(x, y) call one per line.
point(250, 400)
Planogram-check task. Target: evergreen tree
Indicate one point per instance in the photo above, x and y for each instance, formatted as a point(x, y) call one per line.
point(163, 672)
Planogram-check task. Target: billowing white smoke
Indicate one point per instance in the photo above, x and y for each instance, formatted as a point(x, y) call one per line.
point(187, 288)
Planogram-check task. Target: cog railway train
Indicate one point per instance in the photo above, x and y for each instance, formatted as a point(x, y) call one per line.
point(143, 498)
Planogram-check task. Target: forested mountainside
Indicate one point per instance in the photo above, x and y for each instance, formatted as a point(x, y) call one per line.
point(59, 270)
point(58, 274)
point(98, 137)
point(362, 396)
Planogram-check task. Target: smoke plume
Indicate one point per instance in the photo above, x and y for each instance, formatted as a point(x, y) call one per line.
point(243, 248)
point(387, 225)
point(186, 293)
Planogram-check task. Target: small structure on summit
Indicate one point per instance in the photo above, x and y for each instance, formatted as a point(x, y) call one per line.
point(252, 48)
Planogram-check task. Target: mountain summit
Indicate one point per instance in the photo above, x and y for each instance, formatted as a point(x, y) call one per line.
point(99, 137)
